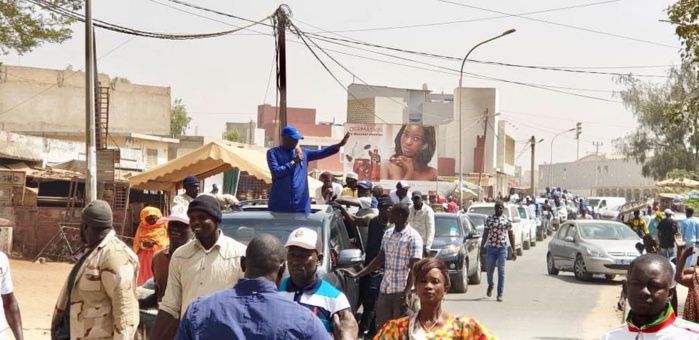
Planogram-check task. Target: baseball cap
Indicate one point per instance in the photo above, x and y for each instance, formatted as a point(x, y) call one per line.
point(364, 184)
point(417, 193)
point(178, 213)
point(352, 175)
point(402, 184)
point(669, 212)
point(305, 238)
point(190, 180)
point(291, 131)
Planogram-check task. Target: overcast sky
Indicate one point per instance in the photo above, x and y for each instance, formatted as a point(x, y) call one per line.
point(224, 79)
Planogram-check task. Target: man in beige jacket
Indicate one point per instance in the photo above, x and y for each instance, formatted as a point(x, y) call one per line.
point(99, 299)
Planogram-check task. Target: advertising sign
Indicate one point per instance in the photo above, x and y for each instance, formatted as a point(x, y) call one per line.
point(385, 154)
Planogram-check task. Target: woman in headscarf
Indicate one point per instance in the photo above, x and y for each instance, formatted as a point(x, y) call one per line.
point(431, 321)
point(150, 237)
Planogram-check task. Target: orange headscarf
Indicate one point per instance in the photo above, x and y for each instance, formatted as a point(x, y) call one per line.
point(156, 232)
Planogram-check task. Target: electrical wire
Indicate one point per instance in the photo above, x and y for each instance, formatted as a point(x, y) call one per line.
point(560, 25)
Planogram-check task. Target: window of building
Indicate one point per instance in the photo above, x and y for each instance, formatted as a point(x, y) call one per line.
point(151, 158)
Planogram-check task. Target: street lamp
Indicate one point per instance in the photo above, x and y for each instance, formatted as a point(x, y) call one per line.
point(461, 77)
point(551, 159)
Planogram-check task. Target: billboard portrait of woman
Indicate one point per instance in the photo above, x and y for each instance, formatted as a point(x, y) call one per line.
point(415, 146)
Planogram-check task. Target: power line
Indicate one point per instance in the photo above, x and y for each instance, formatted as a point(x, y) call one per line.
point(509, 113)
point(561, 25)
point(216, 12)
point(463, 21)
point(209, 18)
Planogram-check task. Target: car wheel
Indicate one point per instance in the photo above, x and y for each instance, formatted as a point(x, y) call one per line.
point(610, 277)
point(461, 282)
point(532, 241)
point(541, 235)
point(525, 243)
point(520, 252)
point(580, 269)
point(476, 277)
point(550, 265)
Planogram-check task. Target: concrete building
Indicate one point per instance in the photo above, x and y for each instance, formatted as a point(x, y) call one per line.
point(389, 105)
point(248, 133)
point(304, 119)
point(51, 104)
point(598, 175)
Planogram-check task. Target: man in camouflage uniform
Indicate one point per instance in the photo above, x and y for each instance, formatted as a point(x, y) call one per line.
point(99, 299)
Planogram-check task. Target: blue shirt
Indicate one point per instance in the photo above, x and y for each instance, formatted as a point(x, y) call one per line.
point(289, 191)
point(690, 229)
point(320, 297)
point(253, 309)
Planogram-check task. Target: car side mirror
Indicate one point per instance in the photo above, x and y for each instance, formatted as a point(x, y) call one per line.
point(350, 258)
point(569, 239)
point(472, 235)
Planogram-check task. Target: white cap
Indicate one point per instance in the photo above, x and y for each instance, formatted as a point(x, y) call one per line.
point(669, 212)
point(178, 213)
point(352, 175)
point(305, 238)
point(403, 184)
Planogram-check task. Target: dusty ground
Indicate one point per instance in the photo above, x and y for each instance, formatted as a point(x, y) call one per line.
point(36, 288)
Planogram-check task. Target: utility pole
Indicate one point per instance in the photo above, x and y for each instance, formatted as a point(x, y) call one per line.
point(578, 131)
point(482, 169)
point(597, 145)
point(281, 67)
point(533, 145)
point(90, 149)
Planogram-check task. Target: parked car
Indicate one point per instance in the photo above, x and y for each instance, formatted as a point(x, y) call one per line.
point(610, 214)
point(585, 246)
point(479, 221)
point(342, 247)
point(512, 213)
point(602, 205)
point(457, 243)
point(528, 226)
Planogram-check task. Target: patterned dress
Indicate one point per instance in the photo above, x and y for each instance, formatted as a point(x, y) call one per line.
point(455, 327)
point(691, 305)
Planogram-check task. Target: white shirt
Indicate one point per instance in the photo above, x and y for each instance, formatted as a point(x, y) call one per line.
point(337, 190)
point(514, 198)
point(422, 220)
point(196, 272)
point(6, 287)
point(394, 197)
point(677, 330)
point(182, 199)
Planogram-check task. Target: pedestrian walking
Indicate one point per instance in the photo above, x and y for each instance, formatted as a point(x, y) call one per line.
point(401, 248)
point(690, 230)
point(667, 229)
point(638, 224)
point(651, 315)
point(10, 316)
point(498, 229)
point(288, 164)
point(422, 220)
point(98, 300)
point(253, 309)
point(151, 237)
point(206, 265)
point(432, 321)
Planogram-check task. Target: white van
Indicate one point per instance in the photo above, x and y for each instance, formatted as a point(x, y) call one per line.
point(602, 204)
point(512, 213)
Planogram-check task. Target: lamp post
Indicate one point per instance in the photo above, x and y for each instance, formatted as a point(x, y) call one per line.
point(461, 77)
point(551, 158)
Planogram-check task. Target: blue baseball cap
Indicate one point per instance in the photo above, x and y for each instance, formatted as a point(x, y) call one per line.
point(364, 184)
point(291, 132)
point(190, 180)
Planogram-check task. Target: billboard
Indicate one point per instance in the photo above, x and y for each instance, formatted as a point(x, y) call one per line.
point(387, 153)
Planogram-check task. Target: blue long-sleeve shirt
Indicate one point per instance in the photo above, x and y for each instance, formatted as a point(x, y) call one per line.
point(253, 309)
point(289, 191)
point(690, 229)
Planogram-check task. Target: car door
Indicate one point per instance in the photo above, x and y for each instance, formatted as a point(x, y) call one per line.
point(516, 226)
point(570, 250)
point(470, 245)
point(557, 246)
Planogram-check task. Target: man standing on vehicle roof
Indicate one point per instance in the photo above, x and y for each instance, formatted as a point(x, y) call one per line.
point(288, 164)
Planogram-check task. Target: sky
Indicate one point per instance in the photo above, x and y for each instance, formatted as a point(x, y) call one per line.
point(224, 79)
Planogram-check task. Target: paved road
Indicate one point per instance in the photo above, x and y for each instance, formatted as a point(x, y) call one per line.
point(540, 306)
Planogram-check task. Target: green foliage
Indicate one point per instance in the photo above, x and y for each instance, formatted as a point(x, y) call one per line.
point(234, 136)
point(24, 26)
point(682, 173)
point(179, 120)
point(118, 80)
point(667, 116)
point(684, 14)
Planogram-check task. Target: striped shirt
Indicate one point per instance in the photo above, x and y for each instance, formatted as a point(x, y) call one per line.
point(399, 247)
point(320, 297)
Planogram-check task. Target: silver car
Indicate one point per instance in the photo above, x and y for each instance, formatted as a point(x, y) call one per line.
point(585, 246)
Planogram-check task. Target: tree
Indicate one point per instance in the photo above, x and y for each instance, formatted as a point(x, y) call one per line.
point(24, 26)
point(684, 15)
point(179, 120)
point(233, 135)
point(118, 80)
point(667, 114)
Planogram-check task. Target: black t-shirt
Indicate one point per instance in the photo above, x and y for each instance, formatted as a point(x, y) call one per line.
point(373, 244)
point(667, 229)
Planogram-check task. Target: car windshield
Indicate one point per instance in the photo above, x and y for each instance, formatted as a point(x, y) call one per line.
point(478, 220)
point(522, 212)
point(244, 230)
point(606, 231)
point(446, 226)
point(485, 210)
point(592, 202)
